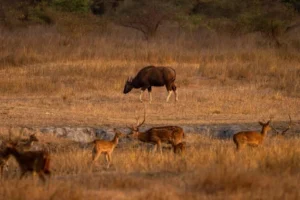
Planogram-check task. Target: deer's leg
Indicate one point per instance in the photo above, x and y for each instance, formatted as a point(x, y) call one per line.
point(1, 170)
point(23, 172)
point(96, 156)
point(108, 159)
point(41, 176)
point(150, 94)
point(158, 146)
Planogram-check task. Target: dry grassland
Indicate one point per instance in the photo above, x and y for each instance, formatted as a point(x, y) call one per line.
point(48, 79)
point(210, 169)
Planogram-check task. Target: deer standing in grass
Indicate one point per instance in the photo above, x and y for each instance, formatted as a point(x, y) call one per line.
point(30, 161)
point(157, 135)
point(251, 138)
point(106, 147)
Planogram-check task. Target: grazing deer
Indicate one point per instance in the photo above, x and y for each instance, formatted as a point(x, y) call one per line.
point(179, 148)
point(106, 147)
point(251, 138)
point(282, 133)
point(30, 161)
point(153, 76)
point(157, 135)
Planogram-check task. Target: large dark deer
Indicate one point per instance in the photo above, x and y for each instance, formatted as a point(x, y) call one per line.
point(157, 135)
point(153, 76)
point(30, 161)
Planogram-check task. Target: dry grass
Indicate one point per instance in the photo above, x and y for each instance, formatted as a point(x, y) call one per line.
point(52, 79)
point(210, 169)
point(43, 61)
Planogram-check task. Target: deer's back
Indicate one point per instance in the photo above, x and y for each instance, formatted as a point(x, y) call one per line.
point(103, 145)
point(166, 133)
point(251, 137)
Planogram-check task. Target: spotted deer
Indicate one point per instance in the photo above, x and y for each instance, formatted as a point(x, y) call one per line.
point(157, 135)
point(30, 161)
point(26, 144)
point(251, 138)
point(106, 147)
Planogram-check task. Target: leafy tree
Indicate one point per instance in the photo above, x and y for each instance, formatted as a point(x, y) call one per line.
point(145, 16)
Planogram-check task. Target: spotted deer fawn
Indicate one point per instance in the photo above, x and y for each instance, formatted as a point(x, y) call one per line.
point(106, 147)
point(251, 138)
point(157, 135)
point(30, 161)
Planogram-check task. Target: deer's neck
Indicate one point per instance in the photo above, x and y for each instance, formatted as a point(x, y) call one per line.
point(115, 140)
point(264, 131)
point(142, 136)
point(15, 153)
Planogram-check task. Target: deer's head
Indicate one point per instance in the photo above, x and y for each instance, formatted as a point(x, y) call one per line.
point(33, 138)
point(134, 129)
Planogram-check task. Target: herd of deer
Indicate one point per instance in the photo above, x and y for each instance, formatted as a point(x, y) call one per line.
point(38, 162)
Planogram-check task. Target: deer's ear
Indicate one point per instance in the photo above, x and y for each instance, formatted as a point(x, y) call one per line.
point(261, 123)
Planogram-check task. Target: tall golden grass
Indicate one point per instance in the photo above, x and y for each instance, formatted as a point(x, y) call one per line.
point(43, 60)
point(210, 169)
point(49, 78)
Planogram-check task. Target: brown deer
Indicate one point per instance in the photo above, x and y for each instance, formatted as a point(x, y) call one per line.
point(251, 138)
point(282, 133)
point(106, 147)
point(157, 135)
point(4, 156)
point(26, 144)
point(179, 148)
point(30, 161)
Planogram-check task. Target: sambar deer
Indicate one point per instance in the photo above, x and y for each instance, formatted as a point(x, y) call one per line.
point(283, 133)
point(30, 161)
point(251, 138)
point(106, 147)
point(157, 135)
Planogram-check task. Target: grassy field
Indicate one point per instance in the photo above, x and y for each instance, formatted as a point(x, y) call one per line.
point(210, 169)
point(48, 79)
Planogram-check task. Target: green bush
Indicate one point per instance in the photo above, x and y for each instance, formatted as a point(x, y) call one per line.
point(82, 6)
